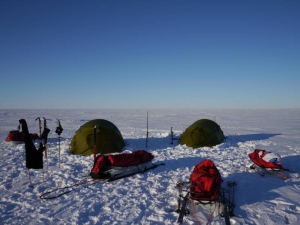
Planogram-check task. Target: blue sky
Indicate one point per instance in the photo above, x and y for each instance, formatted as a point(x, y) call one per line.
point(168, 54)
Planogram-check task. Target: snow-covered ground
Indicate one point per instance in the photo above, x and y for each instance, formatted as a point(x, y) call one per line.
point(147, 198)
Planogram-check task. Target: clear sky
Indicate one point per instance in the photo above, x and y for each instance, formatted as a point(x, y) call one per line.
point(146, 54)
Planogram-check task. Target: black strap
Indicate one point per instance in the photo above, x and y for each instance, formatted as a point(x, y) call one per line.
point(46, 197)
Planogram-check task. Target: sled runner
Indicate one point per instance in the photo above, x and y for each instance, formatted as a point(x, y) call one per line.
point(117, 166)
point(204, 187)
point(267, 161)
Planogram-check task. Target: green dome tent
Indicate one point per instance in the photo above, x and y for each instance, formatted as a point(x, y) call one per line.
point(202, 133)
point(109, 138)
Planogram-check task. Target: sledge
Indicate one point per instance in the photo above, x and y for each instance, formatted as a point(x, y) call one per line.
point(204, 187)
point(116, 166)
point(16, 137)
point(267, 161)
point(108, 168)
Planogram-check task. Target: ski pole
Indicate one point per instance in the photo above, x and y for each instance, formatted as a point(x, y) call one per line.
point(171, 136)
point(183, 210)
point(45, 137)
point(147, 132)
point(58, 151)
point(231, 185)
point(95, 142)
point(179, 186)
point(29, 177)
point(59, 130)
point(40, 126)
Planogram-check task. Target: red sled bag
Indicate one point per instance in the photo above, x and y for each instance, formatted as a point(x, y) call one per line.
point(16, 136)
point(205, 182)
point(134, 158)
point(265, 159)
point(269, 161)
point(108, 166)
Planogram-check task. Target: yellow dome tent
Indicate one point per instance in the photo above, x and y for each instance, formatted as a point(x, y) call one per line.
point(202, 133)
point(109, 138)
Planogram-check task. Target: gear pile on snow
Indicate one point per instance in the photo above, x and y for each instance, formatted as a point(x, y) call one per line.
point(204, 187)
point(114, 166)
point(268, 161)
point(265, 159)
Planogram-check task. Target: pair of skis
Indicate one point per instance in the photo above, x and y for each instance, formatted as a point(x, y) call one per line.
point(67, 189)
point(277, 172)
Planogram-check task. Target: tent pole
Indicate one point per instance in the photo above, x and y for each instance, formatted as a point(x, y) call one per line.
point(43, 176)
point(95, 142)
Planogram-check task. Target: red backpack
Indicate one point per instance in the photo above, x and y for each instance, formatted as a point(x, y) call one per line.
point(205, 182)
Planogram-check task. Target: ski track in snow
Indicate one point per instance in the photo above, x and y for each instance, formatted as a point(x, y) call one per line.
point(146, 198)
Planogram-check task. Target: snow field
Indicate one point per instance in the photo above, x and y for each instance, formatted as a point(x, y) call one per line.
point(146, 198)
